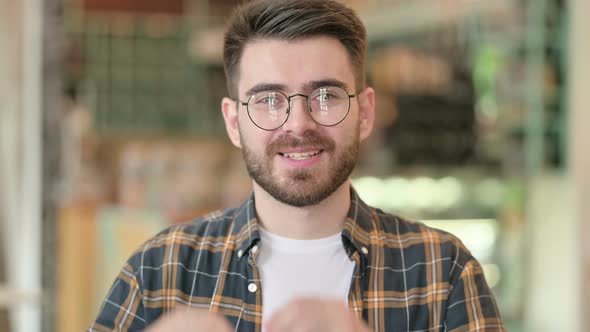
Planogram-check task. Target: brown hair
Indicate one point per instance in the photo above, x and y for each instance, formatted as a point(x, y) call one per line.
point(291, 20)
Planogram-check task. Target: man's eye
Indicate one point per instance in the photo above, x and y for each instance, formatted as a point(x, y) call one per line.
point(326, 98)
point(268, 100)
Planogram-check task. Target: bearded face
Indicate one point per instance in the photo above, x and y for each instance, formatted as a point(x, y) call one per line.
point(302, 186)
point(300, 162)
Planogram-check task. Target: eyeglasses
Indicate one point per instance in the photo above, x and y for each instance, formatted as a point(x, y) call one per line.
point(269, 110)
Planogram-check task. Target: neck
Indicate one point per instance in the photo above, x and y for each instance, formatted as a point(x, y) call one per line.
point(308, 222)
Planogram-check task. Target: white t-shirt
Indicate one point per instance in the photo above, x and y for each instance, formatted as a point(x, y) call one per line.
point(294, 268)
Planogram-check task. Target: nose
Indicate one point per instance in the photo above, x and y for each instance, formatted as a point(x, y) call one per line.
point(299, 119)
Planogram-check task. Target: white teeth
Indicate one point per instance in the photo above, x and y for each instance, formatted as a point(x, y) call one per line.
point(301, 156)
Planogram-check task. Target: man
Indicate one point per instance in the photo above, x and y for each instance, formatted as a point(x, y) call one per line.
point(303, 253)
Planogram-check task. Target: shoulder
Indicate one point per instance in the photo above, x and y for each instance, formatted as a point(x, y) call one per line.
point(420, 243)
point(203, 235)
point(391, 224)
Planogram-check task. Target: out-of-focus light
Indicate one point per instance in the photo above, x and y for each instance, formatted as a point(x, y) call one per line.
point(370, 189)
point(449, 192)
point(423, 192)
point(478, 235)
point(492, 274)
point(396, 193)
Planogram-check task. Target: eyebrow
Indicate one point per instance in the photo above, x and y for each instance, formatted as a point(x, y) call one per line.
point(307, 87)
point(260, 87)
point(310, 86)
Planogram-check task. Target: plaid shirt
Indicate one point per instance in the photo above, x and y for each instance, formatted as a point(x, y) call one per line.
point(407, 276)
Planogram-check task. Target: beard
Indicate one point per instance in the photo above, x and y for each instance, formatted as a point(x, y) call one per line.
point(302, 187)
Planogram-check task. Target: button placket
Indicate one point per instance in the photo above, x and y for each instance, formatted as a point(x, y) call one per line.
point(252, 253)
point(253, 283)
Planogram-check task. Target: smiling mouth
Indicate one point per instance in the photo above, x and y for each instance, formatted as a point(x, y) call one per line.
point(300, 155)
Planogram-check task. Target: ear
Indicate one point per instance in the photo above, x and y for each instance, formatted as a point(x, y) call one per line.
point(230, 116)
point(366, 112)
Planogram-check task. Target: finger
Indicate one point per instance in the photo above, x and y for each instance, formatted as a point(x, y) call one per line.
point(287, 317)
point(187, 319)
point(215, 322)
point(313, 314)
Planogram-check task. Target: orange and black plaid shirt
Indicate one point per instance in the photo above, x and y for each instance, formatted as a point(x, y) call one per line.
point(407, 276)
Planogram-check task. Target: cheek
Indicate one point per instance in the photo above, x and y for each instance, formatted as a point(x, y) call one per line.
point(251, 137)
point(350, 128)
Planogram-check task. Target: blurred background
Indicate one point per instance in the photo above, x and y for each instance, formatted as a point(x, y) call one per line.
point(110, 130)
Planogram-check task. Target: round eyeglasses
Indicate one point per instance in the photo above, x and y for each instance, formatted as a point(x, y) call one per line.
point(269, 110)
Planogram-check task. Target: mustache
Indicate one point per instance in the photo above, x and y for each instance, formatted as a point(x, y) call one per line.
point(308, 139)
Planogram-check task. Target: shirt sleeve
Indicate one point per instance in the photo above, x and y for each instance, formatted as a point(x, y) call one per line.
point(471, 304)
point(123, 308)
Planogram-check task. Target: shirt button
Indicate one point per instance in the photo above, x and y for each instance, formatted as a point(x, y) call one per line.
point(240, 253)
point(252, 288)
point(254, 249)
point(365, 250)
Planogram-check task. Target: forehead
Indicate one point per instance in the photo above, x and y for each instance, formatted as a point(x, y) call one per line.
point(294, 63)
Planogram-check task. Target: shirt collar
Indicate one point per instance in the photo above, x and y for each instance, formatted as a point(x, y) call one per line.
point(246, 228)
point(358, 226)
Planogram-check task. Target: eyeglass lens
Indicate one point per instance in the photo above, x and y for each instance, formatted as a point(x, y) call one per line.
point(270, 109)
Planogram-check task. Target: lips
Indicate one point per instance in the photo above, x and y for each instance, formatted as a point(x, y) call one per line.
point(301, 155)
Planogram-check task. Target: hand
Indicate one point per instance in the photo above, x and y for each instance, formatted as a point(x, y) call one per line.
point(315, 315)
point(184, 319)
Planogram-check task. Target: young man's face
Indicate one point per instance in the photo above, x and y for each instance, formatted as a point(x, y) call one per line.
point(302, 162)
